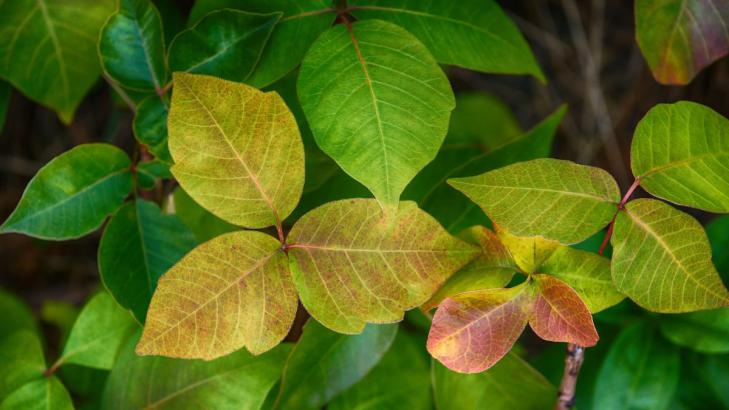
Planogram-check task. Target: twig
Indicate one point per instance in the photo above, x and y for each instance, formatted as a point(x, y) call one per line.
point(568, 386)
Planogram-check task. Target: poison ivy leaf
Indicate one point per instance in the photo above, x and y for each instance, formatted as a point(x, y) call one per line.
point(21, 361)
point(86, 383)
point(203, 224)
point(97, 334)
point(472, 331)
point(132, 46)
point(173, 20)
point(556, 199)
point(679, 38)
point(150, 127)
point(301, 24)
point(680, 153)
point(73, 194)
point(481, 120)
point(226, 43)
point(386, 115)
point(662, 259)
point(353, 264)
point(559, 315)
point(232, 291)
point(324, 363)
point(527, 252)
point(476, 35)
point(139, 244)
point(715, 368)
point(640, 372)
point(45, 393)
point(586, 273)
point(401, 380)
point(706, 331)
point(718, 232)
point(492, 268)
point(511, 384)
point(150, 172)
point(16, 315)
point(239, 380)
point(5, 91)
point(237, 150)
point(48, 50)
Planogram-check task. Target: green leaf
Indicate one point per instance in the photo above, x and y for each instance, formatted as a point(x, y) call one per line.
point(556, 199)
point(48, 50)
point(97, 334)
point(401, 380)
point(585, 272)
point(225, 43)
point(150, 127)
point(715, 369)
point(662, 260)
point(139, 244)
point(476, 35)
point(230, 292)
point(352, 264)
point(149, 173)
point(386, 115)
point(61, 315)
point(73, 194)
point(16, 315)
point(528, 253)
point(679, 38)
point(132, 47)
point(203, 224)
point(324, 363)
point(5, 92)
point(239, 380)
point(481, 120)
point(706, 331)
point(301, 24)
point(43, 394)
point(640, 372)
point(237, 150)
point(718, 232)
point(511, 384)
point(680, 153)
point(21, 361)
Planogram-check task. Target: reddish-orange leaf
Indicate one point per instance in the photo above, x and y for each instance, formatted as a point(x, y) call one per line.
point(471, 331)
point(559, 315)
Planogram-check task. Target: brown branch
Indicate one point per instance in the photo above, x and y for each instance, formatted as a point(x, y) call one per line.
point(568, 387)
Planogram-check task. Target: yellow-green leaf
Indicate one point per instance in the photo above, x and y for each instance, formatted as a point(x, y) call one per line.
point(237, 150)
point(528, 252)
point(232, 291)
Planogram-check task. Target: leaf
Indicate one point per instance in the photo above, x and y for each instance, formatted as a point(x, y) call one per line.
point(482, 119)
point(97, 334)
point(49, 49)
point(225, 43)
point(139, 244)
point(353, 265)
point(586, 273)
point(72, 194)
point(240, 380)
point(150, 127)
point(472, 331)
point(230, 292)
point(639, 372)
point(21, 361)
point(679, 38)
point(237, 150)
point(132, 47)
point(492, 268)
point(60, 315)
point(556, 199)
point(705, 331)
point(476, 35)
point(16, 315)
point(718, 233)
point(203, 224)
point(662, 260)
point(511, 384)
point(680, 153)
point(324, 363)
point(401, 380)
point(715, 368)
point(42, 394)
point(5, 91)
point(301, 24)
point(559, 315)
point(149, 174)
point(527, 252)
point(386, 114)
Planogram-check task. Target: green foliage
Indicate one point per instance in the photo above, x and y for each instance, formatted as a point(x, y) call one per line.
point(150, 127)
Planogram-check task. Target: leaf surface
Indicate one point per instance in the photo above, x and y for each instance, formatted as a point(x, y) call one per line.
point(718, 232)
point(237, 150)
point(476, 35)
point(42, 394)
point(139, 244)
point(680, 153)
point(556, 199)
point(72, 194)
point(203, 224)
point(385, 114)
point(528, 253)
point(705, 331)
point(16, 315)
point(662, 260)
point(21, 361)
point(232, 291)
point(352, 264)
point(150, 127)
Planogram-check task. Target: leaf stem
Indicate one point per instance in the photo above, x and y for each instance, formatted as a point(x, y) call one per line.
point(621, 206)
point(567, 388)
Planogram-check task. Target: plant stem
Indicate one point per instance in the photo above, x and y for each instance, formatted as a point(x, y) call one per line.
point(568, 386)
point(621, 205)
